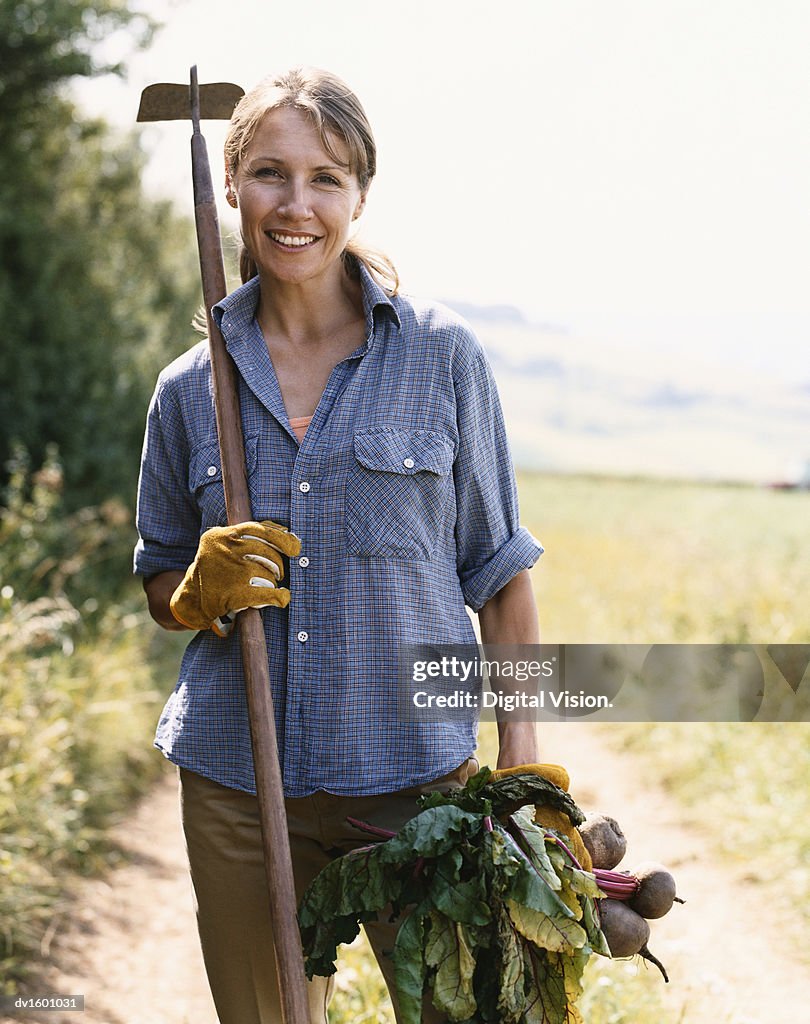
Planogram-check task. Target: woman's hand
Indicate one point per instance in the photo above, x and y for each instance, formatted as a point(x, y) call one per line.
point(510, 617)
point(236, 567)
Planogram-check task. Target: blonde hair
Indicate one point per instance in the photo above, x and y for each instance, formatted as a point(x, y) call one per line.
point(335, 111)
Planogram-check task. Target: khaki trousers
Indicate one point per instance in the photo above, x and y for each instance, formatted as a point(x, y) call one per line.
point(223, 840)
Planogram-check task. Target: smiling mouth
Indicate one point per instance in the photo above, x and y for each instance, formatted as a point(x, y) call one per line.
point(292, 241)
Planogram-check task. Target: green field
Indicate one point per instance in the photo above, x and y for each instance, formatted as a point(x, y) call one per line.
point(642, 561)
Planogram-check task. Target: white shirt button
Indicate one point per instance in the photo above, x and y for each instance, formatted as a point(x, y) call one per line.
point(303, 636)
point(303, 561)
point(212, 471)
point(304, 487)
point(408, 463)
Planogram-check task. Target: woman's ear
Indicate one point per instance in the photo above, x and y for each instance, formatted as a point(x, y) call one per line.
point(230, 191)
point(361, 205)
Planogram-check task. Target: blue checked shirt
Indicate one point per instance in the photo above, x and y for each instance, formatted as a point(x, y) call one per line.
point(403, 495)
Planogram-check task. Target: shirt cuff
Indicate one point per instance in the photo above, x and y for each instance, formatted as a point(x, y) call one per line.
point(520, 552)
point(151, 559)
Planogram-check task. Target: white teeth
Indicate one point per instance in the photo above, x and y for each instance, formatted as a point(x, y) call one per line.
point(289, 240)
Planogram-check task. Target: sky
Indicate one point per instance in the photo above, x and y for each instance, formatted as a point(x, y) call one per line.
point(628, 168)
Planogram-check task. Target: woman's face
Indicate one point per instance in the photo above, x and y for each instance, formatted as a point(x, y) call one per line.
point(297, 202)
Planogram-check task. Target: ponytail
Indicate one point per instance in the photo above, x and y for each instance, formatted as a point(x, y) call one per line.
point(247, 268)
point(376, 263)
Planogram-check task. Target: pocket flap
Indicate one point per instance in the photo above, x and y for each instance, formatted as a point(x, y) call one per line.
point(205, 466)
point(404, 451)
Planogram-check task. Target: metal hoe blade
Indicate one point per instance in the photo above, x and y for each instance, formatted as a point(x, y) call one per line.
point(167, 102)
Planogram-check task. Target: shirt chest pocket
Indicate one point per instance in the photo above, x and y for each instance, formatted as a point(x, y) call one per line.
point(397, 492)
point(205, 480)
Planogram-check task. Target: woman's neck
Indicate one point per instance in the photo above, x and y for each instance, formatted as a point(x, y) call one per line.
point(311, 311)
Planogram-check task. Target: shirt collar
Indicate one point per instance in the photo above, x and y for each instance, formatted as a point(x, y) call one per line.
point(238, 309)
point(374, 298)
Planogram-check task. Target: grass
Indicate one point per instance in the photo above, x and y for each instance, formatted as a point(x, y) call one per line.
point(641, 561)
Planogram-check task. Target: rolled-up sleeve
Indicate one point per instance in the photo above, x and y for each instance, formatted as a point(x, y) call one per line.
point(492, 546)
point(167, 518)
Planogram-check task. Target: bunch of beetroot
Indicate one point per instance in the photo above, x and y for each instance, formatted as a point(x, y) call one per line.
point(631, 897)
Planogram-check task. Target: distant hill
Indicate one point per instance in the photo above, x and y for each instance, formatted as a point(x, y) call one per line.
point(487, 314)
point(580, 403)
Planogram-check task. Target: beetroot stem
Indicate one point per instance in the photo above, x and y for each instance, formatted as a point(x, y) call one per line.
point(372, 830)
point(616, 885)
point(565, 849)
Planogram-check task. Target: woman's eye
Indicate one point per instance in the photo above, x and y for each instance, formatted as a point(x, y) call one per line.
point(327, 179)
point(267, 172)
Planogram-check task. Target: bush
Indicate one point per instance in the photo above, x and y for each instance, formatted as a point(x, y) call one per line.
point(81, 557)
point(78, 698)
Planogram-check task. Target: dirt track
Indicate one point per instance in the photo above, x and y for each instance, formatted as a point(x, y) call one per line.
point(131, 945)
point(131, 948)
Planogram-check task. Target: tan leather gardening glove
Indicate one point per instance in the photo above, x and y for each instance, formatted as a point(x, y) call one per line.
point(236, 567)
point(550, 817)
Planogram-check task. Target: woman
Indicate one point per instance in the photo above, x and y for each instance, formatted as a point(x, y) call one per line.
point(378, 466)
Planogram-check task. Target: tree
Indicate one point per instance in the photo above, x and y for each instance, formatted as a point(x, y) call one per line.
point(45, 42)
point(97, 283)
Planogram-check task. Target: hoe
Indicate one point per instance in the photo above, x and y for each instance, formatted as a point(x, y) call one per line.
point(164, 102)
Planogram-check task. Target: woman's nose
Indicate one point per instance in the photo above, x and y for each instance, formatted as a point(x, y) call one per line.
point(294, 203)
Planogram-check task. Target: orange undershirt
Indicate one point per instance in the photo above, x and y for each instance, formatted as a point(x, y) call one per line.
point(299, 425)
